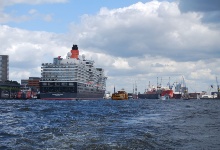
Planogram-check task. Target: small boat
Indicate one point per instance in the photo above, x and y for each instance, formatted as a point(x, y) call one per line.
point(185, 95)
point(120, 95)
point(165, 97)
point(207, 96)
point(26, 93)
point(132, 96)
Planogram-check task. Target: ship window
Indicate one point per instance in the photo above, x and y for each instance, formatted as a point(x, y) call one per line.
point(50, 84)
point(70, 83)
point(63, 83)
point(57, 83)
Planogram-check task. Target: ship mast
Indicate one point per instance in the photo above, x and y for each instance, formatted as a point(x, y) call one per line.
point(135, 88)
point(157, 83)
point(170, 86)
point(218, 90)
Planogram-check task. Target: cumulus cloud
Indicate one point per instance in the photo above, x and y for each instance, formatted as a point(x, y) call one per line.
point(133, 44)
point(154, 39)
point(154, 28)
point(121, 64)
point(28, 49)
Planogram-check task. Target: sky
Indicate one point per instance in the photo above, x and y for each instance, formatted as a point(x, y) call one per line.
point(134, 41)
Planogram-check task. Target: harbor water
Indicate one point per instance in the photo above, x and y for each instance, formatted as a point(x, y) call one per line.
point(108, 124)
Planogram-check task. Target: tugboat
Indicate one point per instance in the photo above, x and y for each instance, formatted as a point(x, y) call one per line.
point(120, 95)
point(26, 93)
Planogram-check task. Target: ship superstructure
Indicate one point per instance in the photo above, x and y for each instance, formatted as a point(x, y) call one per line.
point(72, 78)
point(150, 93)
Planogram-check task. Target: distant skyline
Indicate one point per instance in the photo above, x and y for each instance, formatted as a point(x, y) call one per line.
point(133, 41)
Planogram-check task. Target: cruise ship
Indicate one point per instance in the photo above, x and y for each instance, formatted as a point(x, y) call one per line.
point(72, 78)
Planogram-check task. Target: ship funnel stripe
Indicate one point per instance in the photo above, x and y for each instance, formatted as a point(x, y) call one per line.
point(75, 47)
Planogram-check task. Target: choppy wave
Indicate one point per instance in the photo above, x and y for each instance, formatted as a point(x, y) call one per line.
point(106, 124)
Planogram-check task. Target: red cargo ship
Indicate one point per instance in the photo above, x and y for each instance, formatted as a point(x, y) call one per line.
point(167, 92)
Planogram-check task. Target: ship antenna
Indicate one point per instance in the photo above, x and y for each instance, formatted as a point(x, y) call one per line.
point(169, 84)
point(157, 83)
point(133, 88)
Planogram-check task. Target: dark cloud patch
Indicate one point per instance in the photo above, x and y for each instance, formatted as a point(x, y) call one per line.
point(212, 16)
point(199, 5)
point(210, 9)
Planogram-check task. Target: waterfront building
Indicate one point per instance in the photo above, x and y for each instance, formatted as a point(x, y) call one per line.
point(32, 82)
point(8, 89)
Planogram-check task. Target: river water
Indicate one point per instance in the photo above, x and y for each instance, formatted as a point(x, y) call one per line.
point(108, 124)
